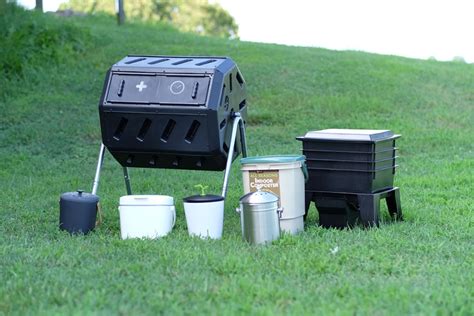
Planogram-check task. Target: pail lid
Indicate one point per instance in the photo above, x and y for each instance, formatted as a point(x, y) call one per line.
point(80, 196)
point(203, 198)
point(258, 197)
point(272, 159)
point(146, 200)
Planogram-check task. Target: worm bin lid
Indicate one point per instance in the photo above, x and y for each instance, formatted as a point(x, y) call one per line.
point(357, 135)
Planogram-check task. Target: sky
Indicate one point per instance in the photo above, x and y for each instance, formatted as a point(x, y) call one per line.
point(440, 29)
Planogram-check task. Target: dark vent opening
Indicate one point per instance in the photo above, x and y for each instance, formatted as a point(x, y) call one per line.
point(158, 61)
point(120, 128)
point(144, 130)
point(179, 62)
point(120, 89)
point(192, 131)
point(167, 131)
point(222, 96)
point(202, 63)
point(222, 124)
point(225, 147)
point(239, 78)
point(135, 60)
point(242, 104)
point(230, 82)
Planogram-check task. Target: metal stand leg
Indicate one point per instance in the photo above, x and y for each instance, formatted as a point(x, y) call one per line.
point(127, 181)
point(95, 185)
point(237, 123)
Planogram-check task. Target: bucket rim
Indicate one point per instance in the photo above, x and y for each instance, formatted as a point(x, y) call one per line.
point(272, 159)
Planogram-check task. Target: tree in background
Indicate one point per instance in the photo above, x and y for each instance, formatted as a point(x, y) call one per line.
point(198, 16)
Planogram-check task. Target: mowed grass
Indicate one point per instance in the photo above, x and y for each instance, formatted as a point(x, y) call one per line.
point(49, 141)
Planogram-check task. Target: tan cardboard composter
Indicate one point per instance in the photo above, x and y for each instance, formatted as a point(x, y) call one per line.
point(283, 175)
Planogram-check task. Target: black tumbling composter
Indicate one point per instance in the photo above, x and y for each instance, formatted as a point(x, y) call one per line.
point(173, 112)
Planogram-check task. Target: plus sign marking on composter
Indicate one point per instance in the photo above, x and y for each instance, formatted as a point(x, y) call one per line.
point(141, 86)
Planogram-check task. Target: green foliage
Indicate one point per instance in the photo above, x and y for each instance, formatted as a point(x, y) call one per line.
point(197, 16)
point(49, 141)
point(32, 39)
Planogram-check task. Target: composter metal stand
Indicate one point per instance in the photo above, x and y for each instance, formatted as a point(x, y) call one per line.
point(238, 123)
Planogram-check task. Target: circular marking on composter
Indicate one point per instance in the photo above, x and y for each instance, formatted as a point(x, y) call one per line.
point(177, 87)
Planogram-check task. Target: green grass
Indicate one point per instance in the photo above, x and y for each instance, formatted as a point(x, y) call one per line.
point(49, 141)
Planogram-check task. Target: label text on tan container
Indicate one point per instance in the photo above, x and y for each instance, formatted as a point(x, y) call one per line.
point(265, 180)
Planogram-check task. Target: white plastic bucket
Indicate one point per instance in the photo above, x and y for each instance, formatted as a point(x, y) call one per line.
point(146, 216)
point(284, 176)
point(204, 217)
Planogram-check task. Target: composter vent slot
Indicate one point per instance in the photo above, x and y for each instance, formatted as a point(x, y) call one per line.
point(230, 82)
point(225, 147)
point(167, 131)
point(192, 131)
point(158, 61)
point(242, 104)
point(120, 128)
point(179, 62)
point(222, 124)
point(135, 60)
point(239, 78)
point(202, 63)
point(144, 130)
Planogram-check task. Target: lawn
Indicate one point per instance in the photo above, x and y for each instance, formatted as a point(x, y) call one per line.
point(50, 137)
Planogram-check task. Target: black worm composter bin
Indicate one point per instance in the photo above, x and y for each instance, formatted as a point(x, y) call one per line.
point(173, 112)
point(350, 171)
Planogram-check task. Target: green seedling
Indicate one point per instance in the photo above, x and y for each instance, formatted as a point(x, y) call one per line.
point(202, 187)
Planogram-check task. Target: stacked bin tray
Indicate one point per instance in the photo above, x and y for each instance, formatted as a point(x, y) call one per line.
point(348, 164)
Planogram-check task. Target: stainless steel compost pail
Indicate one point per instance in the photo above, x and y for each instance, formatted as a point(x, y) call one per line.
point(260, 217)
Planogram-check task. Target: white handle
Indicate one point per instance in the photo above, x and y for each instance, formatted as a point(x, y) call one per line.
point(174, 215)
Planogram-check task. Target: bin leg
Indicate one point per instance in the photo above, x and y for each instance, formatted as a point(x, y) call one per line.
point(369, 205)
point(393, 204)
point(95, 184)
point(126, 177)
point(230, 155)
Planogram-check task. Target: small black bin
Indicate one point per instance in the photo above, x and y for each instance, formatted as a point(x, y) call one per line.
point(346, 160)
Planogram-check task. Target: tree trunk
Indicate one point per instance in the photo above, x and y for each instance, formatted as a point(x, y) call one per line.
point(39, 5)
point(120, 13)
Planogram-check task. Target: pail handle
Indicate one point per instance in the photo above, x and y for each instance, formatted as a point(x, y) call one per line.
point(174, 214)
point(304, 168)
point(279, 211)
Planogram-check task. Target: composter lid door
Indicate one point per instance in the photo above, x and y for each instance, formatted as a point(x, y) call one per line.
point(145, 200)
